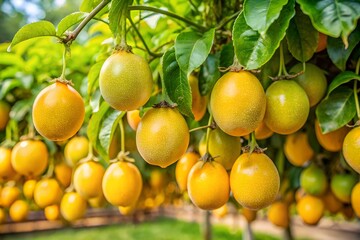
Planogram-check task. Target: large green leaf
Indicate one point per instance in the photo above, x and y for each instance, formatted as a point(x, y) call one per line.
point(192, 49)
point(260, 14)
point(20, 109)
point(342, 78)
point(337, 51)
point(88, 5)
point(336, 110)
point(209, 74)
point(69, 21)
point(227, 55)
point(115, 13)
point(176, 83)
point(253, 49)
point(333, 17)
point(302, 37)
point(8, 85)
point(33, 30)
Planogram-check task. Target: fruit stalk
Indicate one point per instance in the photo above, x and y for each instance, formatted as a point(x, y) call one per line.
point(208, 134)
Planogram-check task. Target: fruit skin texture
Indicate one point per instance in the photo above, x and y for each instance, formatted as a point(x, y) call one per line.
point(122, 184)
point(208, 185)
point(162, 136)
point(4, 114)
point(58, 112)
point(9, 195)
point(351, 149)
point(47, 192)
point(6, 169)
point(355, 199)
point(125, 81)
point(342, 185)
point(198, 105)
point(183, 167)
point(221, 211)
point(297, 149)
point(332, 141)
point(76, 149)
point(254, 180)
point(88, 179)
point(19, 211)
point(278, 214)
point(224, 147)
point(313, 81)
point(238, 103)
point(287, 107)
point(52, 212)
point(72, 206)
point(30, 157)
point(310, 209)
point(250, 215)
point(313, 180)
point(29, 188)
point(263, 132)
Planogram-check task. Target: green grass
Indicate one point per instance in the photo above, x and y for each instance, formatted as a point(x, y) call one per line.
point(162, 229)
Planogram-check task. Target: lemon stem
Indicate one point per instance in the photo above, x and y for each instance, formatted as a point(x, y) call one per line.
point(62, 77)
point(122, 131)
point(208, 134)
point(252, 142)
point(282, 67)
point(355, 90)
point(199, 128)
point(51, 168)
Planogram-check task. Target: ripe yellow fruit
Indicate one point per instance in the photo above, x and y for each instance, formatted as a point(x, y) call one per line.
point(250, 215)
point(332, 204)
point(355, 199)
point(4, 114)
point(76, 149)
point(125, 81)
point(351, 149)
point(224, 148)
point(19, 211)
point(198, 105)
point(287, 107)
point(313, 81)
point(254, 180)
point(208, 185)
point(122, 184)
point(29, 188)
point(133, 118)
point(278, 214)
point(2, 216)
point(238, 103)
point(310, 209)
point(47, 192)
point(6, 169)
point(297, 149)
point(97, 202)
point(332, 141)
point(183, 167)
point(58, 112)
point(127, 210)
point(52, 212)
point(263, 132)
point(30, 158)
point(9, 194)
point(162, 136)
point(157, 179)
point(88, 179)
point(72, 206)
point(63, 174)
point(221, 211)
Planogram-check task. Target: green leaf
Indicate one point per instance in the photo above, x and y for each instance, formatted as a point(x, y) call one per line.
point(337, 110)
point(108, 126)
point(302, 37)
point(8, 85)
point(227, 55)
point(33, 30)
point(260, 14)
point(93, 77)
point(11, 59)
point(94, 127)
point(209, 74)
point(20, 109)
point(342, 78)
point(333, 17)
point(254, 50)
point(69, 21)
point(176, 83)
point(88, 5)
point(115, 13)
point(337, 51)
point(192, 48)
